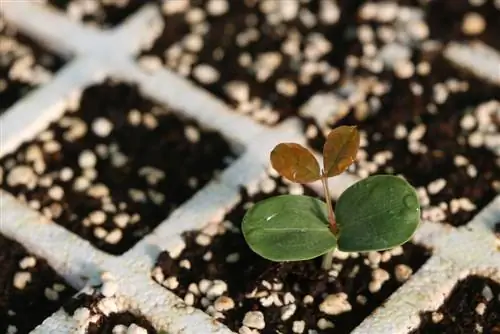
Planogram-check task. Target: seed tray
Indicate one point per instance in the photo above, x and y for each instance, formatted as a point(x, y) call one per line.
point(113, 166)
point(457, 252)
point(31, 290)
point(272, 56)
point(24, 65)
point(470, 307)
point(103, 312)
point(102, 14)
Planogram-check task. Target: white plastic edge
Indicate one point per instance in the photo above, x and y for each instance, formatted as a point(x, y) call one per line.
point(457, 252)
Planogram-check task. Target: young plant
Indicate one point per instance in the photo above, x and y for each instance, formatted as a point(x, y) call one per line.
point(376, 213)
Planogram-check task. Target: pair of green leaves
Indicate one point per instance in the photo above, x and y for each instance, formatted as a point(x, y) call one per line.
point(379, 212)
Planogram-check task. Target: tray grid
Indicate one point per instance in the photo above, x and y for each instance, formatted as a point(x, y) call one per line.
point(94, 55)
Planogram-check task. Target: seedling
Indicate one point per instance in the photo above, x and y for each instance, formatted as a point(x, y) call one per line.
point(376, 213)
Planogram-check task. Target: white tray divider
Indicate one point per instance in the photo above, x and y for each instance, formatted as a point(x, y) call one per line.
point(457, 252)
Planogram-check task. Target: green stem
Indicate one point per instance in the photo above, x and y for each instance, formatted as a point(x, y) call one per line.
point(326, 264)
point(331, 216)
point(328, 257)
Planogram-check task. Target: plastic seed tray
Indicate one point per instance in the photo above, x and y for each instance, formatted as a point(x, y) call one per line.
point(119, 257)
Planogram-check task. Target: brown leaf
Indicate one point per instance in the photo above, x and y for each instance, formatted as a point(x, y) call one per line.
point(340, 149)
point(295, 162)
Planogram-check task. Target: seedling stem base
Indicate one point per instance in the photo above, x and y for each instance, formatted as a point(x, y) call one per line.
point(328, 257)
point(331, 216)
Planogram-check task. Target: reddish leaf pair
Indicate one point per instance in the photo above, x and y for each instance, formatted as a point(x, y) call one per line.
point(298, 164)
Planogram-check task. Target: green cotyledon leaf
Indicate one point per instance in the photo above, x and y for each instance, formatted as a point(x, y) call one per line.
point(288, 228)
point(377, 213)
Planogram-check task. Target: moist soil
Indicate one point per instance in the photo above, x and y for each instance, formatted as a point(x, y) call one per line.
point(243, 51)
point(472, 307)
point(427, 138)
point(114, 166)
point(445, 20)
point(104, 14)
point(24, 309)
point(252, 276)
point(35, 65)
point(267, 60)
point(106, 324)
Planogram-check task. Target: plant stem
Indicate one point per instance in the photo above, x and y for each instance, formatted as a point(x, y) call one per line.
point(326, 263)
point(328, 257)
point(331, 216)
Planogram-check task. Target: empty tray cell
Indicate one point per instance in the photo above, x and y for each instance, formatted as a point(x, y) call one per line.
point(24, 65)
point(439, 128)
point(464, 20)
point(217, 272)
point(114, 165)
point(105, 315)
point(472, 308)
point(99, 13)
point(30, 290)
point(264, 58)
point(386, 35)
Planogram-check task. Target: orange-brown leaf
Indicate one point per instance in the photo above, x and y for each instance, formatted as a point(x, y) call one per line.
point(295, 162)
point(340, 149)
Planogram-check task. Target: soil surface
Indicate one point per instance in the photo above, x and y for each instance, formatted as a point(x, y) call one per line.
point(121, 320)
point(24, 65)
point(472, 307)
point(113, 323)
point(462, 20)
point(103, 14)
point(114, 166)
point(218, 273)
point(30, 290)
point(265, 58)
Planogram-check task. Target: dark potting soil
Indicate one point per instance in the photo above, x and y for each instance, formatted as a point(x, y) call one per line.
point(437, 130)
point(462, 20)
point(24, 65)
point(126, 319)
point(114, 166)
point(106, 324)
point(264, 58)
point(104, 14)
point(472, 308)
point(30, 290)
point(496, 230)
point(218, 273)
